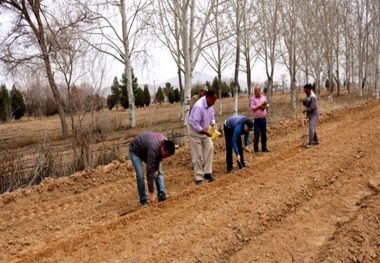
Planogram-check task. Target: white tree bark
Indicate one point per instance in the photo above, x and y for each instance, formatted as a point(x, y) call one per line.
point(194, 18)
point(127, 64)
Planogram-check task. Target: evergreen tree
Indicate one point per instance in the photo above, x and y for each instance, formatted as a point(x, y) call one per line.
point(139, 98)
point(146, 95)
point(215, 85)
point(225, 90)
point(123, 87)
point(116, 93)
point(135, 84)
point(160, 97)
point(171, 96)
point(177, 95)
point(110, 102)
point(18, 105)
point(124, 93)
point(5, 104)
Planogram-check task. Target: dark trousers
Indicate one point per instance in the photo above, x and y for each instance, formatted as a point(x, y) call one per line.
point(260, 128)
point(228, 133)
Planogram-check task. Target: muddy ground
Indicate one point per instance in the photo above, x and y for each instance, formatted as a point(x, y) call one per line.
point(292, 205)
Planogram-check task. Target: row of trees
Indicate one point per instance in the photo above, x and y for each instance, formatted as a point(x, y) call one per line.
point(119, 94)
point(12, 104)
point(315, 41)
point(38, 101)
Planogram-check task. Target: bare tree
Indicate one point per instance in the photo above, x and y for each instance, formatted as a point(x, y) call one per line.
point(362, 44)
point(181, 27)
point(310, 43)
point(218, 54)
point(76, 63)
point(236, 21)
point(268, 37)
point(290, 35)
point(119, 30)
point(248, 40)
point(33, 39)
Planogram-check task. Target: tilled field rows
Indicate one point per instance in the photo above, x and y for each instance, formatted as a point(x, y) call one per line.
point(306, 196)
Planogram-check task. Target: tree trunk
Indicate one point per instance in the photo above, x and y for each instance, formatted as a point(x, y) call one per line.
point(187, 62)
point(37, 27)
point(237, 60)
point(128, 67)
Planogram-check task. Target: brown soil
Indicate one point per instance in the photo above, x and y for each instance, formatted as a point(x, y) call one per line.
point(292, 205)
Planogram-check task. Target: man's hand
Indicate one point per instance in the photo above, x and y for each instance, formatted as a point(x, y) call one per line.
point(208, 133)
point(238, 158)
point(155, 175)
point(152, 198)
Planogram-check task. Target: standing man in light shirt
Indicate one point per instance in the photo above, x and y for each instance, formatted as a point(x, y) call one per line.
point(201, 116)
point(193, 100)
point(259, 106)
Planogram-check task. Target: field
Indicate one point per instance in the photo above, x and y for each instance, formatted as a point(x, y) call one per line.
point(292, 205)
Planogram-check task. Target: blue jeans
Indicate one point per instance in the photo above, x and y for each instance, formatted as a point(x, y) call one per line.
point(137, 164)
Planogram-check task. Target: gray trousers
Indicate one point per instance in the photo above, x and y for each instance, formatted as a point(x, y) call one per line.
point(313, 129)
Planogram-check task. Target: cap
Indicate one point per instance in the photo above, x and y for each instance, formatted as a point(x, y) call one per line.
point(205, 88)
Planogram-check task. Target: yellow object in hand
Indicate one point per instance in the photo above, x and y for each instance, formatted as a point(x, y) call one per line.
point(215, 134)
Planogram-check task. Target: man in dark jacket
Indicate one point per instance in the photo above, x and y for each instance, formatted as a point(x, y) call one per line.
point(234, 128)
point(150, 148)
point(311, 110)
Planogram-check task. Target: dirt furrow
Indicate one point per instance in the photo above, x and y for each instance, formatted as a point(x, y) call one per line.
point(286, 208)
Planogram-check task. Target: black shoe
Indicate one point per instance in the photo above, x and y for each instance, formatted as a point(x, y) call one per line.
point(256, 153)
point(209, 177)
point(241, 166)
point(198, 182)
point(162, 197)
point(315, 143)
point(266, 150)
point(230, 171)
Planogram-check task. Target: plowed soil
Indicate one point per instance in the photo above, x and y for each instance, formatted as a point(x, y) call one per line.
point(291, 205)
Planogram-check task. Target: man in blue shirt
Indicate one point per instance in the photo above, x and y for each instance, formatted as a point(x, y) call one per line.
point(234, 128)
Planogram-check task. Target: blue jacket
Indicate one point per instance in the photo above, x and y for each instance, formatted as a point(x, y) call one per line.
point(236, 124)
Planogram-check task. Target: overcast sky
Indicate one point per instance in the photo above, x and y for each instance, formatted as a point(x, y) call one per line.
point(161, 67)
